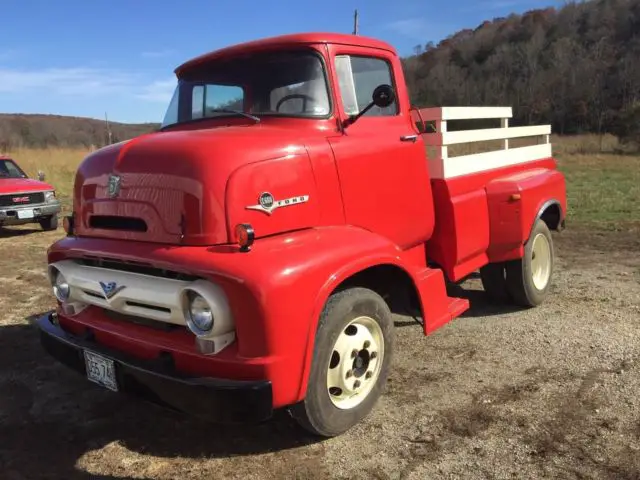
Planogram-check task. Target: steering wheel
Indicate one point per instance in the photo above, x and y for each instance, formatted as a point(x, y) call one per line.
point(296, 95)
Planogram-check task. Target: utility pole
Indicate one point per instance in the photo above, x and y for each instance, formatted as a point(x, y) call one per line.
point(355, 22)
point(106, 121)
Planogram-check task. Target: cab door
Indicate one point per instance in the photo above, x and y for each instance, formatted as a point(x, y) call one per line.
point(381, 159)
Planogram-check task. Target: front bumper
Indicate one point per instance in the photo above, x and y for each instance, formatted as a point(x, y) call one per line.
point(11, 215)
point(224, 401)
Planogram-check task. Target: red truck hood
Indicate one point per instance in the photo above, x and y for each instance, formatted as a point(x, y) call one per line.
point(22, 185)
point(174, 185)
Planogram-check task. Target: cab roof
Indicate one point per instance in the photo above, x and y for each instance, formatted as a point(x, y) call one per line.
point(284, 41)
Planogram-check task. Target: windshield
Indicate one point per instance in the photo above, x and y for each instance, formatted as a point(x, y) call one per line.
point(291, 84)
point(8, 169)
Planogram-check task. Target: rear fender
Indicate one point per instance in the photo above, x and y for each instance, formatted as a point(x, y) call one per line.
point(516, 202)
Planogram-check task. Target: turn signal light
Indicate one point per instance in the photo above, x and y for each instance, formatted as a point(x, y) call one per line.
point(245, 236)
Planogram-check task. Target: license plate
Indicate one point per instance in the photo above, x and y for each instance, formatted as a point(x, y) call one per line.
point(101, 370)
point(25, 214)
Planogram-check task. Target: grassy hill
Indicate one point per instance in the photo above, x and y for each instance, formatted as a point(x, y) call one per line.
point(43, 131)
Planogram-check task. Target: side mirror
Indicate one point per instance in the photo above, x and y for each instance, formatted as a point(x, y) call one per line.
point(382, 97)
point(41, 175)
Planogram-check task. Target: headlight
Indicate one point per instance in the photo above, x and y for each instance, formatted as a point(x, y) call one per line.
point(49, 196)
point(200, 317)
point(61, 288)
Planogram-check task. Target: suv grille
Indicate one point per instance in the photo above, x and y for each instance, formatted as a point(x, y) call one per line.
point(20, 199)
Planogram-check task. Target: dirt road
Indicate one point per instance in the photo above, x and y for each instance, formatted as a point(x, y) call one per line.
point(550, 392)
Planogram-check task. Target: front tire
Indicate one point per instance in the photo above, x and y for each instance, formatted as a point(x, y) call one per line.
point(529, 279)
point(352, 355)
point(49, 223)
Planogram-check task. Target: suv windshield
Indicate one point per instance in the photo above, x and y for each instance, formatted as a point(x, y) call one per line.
point(8, 169)
point(291, 84)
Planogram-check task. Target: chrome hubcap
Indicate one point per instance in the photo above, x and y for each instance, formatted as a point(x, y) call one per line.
point(541, 261)
point(355, 362)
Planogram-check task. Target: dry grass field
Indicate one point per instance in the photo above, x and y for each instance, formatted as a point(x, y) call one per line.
point(551, 392)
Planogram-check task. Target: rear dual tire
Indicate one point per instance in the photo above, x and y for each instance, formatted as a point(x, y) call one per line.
point(526, 281)
point(352, 355)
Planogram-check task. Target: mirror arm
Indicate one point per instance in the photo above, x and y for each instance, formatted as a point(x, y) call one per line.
point(353, 118)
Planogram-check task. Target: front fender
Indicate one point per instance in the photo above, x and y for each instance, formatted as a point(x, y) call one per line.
point(316, 262)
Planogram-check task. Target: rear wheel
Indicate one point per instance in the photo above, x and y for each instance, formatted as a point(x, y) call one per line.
point(352, 355)
point(529, 279)
point(494, 282)
point(49, 223)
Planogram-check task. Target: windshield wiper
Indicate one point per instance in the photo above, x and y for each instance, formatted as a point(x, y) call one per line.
point(201, 119)
point(237, 112)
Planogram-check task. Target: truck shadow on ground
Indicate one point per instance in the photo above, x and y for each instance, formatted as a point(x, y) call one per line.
point(54, 417)
point(480, 306)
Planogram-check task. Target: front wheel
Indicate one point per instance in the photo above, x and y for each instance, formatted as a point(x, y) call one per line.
point(529, 278)
point(352, 354)
point(49, 223)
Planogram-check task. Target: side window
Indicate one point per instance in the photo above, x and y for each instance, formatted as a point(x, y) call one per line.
point(205, 99)
point(358, 77)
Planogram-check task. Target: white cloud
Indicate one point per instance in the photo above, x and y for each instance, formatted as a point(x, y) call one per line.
point(159, 91)
point(158, 53)
point(82, 82)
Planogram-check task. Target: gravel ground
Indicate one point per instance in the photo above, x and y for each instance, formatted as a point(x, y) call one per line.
point(545, 393)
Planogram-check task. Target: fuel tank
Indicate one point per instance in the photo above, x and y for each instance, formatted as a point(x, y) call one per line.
point(191, 187)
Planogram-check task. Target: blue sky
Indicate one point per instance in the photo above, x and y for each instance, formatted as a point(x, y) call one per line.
point(86, 58)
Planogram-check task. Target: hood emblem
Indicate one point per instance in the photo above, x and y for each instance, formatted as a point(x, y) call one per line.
point(111, 289)
point(267, 204)
point(114, 185)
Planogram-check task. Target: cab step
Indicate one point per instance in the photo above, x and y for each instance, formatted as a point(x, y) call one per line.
point(438, 307)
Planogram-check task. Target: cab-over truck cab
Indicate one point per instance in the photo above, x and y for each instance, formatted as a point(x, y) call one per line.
point(248, 255)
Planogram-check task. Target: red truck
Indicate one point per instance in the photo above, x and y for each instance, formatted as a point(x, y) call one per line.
point(248, 256)
point(24, 200)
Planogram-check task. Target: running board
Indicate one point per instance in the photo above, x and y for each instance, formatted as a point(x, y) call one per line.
point(438, 307)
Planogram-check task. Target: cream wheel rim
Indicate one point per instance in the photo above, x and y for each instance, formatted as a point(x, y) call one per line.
point(355, 363)
point(541, 261)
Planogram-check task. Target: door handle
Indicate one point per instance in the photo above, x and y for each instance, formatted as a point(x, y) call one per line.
point(408, 138)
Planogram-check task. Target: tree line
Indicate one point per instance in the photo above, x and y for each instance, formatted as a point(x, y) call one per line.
point(577, 68)
point(45, 131)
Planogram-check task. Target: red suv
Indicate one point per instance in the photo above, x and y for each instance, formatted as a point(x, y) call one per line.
point(25, 200)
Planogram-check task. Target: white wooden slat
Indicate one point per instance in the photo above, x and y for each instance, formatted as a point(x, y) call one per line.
point(464, 113)
point(482, 135)
point(480, 162)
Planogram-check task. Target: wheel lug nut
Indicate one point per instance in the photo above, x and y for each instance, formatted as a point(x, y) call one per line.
point(349, 373)
point(367, 343)
point(356, 384)
point(374, 355)
point(354, 353)
point(368, 375)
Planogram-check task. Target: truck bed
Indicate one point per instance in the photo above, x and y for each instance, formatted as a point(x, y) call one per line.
point(486, 203)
